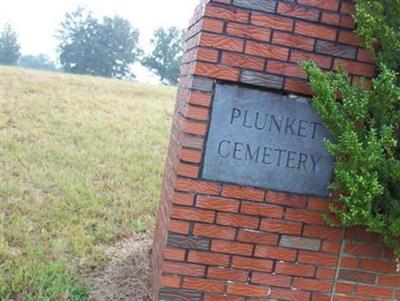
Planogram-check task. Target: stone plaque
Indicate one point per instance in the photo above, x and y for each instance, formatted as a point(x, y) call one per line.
point(266, 140)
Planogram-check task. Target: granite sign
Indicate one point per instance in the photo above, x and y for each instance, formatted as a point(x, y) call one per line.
point(266, 140)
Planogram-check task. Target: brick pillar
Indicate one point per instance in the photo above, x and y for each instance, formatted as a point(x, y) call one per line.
point(218, 241)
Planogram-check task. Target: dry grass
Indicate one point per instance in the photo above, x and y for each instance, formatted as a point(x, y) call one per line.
point(81, 165)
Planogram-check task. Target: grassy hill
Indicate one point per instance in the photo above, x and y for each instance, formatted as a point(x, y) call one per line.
point(81, 166)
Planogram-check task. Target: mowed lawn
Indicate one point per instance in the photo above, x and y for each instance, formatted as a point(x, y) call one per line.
point(81, 162)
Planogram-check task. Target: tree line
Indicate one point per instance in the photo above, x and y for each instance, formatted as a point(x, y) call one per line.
point(102, 47)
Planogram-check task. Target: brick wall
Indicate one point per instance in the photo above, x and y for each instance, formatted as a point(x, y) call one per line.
point(216, 241)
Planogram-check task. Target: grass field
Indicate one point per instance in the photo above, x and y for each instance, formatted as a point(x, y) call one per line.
point(81, 167)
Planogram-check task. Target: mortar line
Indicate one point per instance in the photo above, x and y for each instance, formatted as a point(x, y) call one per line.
point(339, 262)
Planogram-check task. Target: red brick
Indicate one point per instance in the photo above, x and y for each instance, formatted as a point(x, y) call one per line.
point(194, 128)
point(199, 98)
point(243, 61)
point(280, 226)
point(323, 61)
point(315, 31)
point(317, 258)
point(331, 18)
point(203, 285)
point(185, 199)
point(253, 264)
point(355, 67)
point(321, 286)
point(192, 214)
point(298, 86)
point(319, 204)
point(347, 8)
point(221, 42)
point(323, 232)
point(349, 262)
point(364, 56)
point(216, 71)
point(214, 231)
point(231, 247)
point(271, 279)
point(348, 37)
point(295, 41)
point(212, 25)
point(227, 274)
point(330, 246)
point(170, 281)
point(213, 297)
point(174, 254)
point(298, 11)
point(355, 276)
point(344, 288)
point(360, 234)
point(197, 186)
point(267, 50)
point(257, 237)
point(237, 192)
point(191, 155)
point(289, 294)
point(248, 290)
point(198, 113)
point(278, 253)
point(208, 258)
point(373, 291)
point(183, 269)
point(216, 203)
point(328, 5)
point(178, 227)
point(227, 14)
point(271, 21)
point(304, 216)
point(362, 249)
point(319, 297)
point(237, 220)
point(285, 199)
point(389, 280)
point(388, 253)
point(261, 210)
point(294, 269)
point(286, 69)
point(379, 266)
point(347, 22)
point(326, 273)
point(248, 32)
point(187, 170)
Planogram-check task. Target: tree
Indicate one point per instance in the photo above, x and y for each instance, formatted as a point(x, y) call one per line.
point(166, 57)
point(89, 46)
point(9, 46)
point(39, 62)
point(366, 125)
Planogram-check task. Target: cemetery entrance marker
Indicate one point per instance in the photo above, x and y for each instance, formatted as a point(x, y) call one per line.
point(266, 140)
point(247, 173)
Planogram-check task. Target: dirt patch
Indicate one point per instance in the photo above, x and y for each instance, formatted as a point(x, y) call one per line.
point(127, 273)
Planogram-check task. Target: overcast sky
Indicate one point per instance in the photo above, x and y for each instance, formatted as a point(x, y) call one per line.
point(36, 21)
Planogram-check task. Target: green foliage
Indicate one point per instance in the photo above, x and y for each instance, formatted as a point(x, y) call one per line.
point(166, 57)
point(366, 126)
point(9, 46)
point(38, 62)
point(103, 48)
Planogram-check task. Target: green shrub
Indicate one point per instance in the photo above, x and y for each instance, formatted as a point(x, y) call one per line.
point(366, 126)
